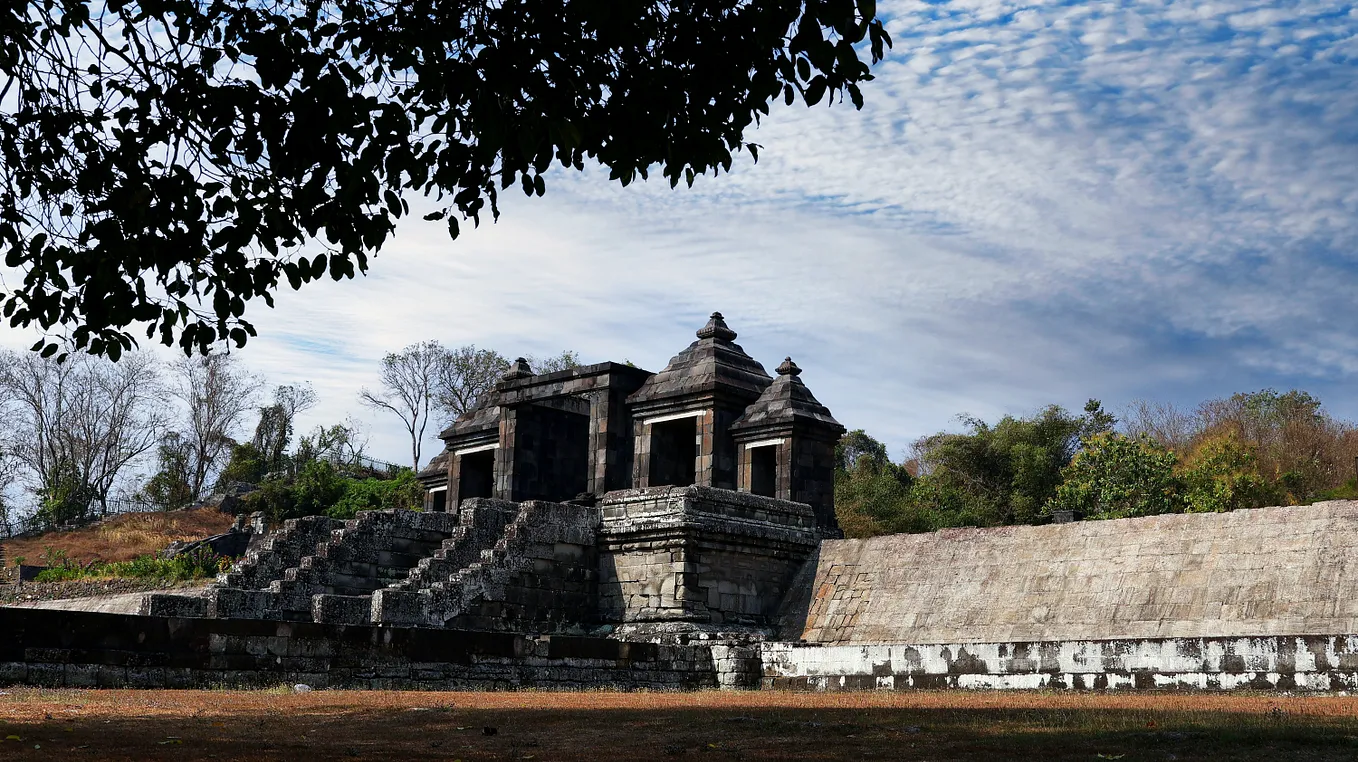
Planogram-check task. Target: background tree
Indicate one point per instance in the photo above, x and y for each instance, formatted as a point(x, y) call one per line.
point(564, 360)
point(1115, 477)
point(408, 379)
point(274, 431)
point(1008, 471)
point(77, 426)
point(464, 375)
point(170, 486)
point(216, 393)
point(163, 164)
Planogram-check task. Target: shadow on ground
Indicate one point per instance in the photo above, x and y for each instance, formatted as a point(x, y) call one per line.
point(165, 725)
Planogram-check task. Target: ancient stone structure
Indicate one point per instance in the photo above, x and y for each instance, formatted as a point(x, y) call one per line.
point(606, 526)
point(713, 418)
point(604, 496)
point(1264, 572)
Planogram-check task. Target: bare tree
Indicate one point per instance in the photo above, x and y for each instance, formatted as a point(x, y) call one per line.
point(216, 393)
point(78, 425)
point(1170, 426)
point(408, 381)
point(465, 374)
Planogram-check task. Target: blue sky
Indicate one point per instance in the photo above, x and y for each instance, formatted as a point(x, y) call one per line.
point(1039, 203)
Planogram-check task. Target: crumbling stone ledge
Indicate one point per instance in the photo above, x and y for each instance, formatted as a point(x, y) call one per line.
point(80, 649)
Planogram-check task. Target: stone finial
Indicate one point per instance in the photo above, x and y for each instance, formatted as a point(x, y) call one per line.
point(789, 368)
point(519, 369)
point(716, 327)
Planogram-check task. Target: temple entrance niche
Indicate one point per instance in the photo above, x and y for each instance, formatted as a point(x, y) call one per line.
point(674, 452)
point(764, 470)
point(476, 474)
point(552, 450)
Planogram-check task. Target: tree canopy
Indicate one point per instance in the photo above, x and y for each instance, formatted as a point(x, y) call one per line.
point(165, 162)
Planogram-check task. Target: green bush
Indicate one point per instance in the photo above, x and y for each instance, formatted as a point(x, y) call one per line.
point(1222, 474)
point(1115, 477)
point(405, 491)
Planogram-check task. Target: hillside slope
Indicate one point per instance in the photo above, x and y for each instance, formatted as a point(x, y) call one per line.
point(121, 538)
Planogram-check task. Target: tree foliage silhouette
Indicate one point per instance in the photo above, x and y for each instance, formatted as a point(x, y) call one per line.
point(165, 162)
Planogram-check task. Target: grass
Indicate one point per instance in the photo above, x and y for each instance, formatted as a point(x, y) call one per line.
point(944, 725)
point(121, 538)
point(201, 563)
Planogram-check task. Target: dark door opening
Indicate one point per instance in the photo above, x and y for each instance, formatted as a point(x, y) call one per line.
point(438, 501)
point(674, 452)
point(476, 475)
point(764, 470)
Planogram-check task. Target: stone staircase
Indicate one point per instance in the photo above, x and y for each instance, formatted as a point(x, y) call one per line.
point(494, 565)
point(363, 554)
point(481, 523)
point(540, 575)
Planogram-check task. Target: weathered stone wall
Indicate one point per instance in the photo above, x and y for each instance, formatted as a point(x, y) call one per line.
point(1315, 662)
point(82, 649)
point(1252, 573)
point(279, 552)
point(364, 554)
point(699, 554)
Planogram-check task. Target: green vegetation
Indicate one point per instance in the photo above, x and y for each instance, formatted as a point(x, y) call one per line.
point(1244, 451)
point(201, 563)
point(320, 487)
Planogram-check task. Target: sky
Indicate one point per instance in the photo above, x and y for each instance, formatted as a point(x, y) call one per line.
point(1039, 203)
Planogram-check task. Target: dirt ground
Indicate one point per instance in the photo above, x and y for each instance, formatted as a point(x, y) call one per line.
point(337, 725)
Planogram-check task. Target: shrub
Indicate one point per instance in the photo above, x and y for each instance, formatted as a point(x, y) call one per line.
point(1115, 476)
point(1222, 474)
point(200, 563)
point(405, 491)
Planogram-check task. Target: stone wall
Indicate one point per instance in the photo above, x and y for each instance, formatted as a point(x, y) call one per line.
point(1251, 573)
point(699, 554)
point(81, 649)
point(1324, 663)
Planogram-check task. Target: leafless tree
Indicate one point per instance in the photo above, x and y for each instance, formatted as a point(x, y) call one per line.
point(216, 393)
point(1161, 421)
point(408, 381)
point(78, 425)
point(467, 373)
point(464, 375)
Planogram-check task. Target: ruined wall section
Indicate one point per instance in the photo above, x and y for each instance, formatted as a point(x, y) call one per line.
point(698, 554)
point(78, 649)
point(279, 552)
point(1251, 573)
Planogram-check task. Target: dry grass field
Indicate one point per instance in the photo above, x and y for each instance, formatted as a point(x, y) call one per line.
point(122, 538)
point(339, 725)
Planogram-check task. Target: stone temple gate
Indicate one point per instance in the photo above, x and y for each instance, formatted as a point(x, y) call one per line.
point(713, 418)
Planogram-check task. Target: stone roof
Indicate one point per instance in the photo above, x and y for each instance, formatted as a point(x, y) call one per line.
point(714, 365)
point(485, 414)
point(787, 401)
point(437, 468)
